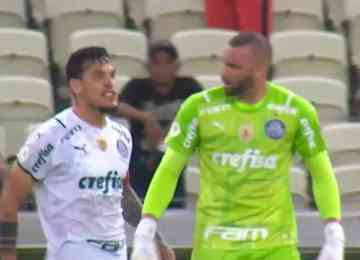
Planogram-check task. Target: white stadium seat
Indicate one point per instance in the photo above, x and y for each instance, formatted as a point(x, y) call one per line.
point(209, 81)
point(348, 178)
point(342, 142)
point(23, 100)
point(12, 14)
point(68, 16)
point(201, 51)
point(298, 188)
point(128, 49)
point(309, 53)
point(168, 17)
point(328, 96)
point(24, 53)
point(137, 11)
point(298, 15)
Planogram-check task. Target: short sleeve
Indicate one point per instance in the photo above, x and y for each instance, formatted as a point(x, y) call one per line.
point(308, 138)
point(184, 134)
point(35, 156)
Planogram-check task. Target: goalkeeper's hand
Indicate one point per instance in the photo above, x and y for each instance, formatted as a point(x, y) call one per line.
point(333, 248)
point(145, 248)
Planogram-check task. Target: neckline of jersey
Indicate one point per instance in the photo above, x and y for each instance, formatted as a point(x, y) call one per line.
point(86, 124)
point(243, 106)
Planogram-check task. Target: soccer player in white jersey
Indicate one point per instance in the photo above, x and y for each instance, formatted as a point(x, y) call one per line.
point(245, 134)
point(77, 163)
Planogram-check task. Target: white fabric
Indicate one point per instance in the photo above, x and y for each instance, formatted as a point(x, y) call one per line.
point(144, 245)
point(80, 171)
point(333, 248)
point(85, 251)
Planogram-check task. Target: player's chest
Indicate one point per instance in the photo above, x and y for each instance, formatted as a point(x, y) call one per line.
point(236, 128)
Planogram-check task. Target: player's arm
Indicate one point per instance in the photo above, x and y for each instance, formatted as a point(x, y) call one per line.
point(17, 186)
point(132, 207)
point(310, 144)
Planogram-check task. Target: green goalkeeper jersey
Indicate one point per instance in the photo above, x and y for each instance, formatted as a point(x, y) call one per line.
point(245, 153)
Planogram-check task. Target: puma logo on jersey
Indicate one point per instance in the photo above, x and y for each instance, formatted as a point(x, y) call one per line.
point(42, 157)
point(236, 234)
point(218, 125)
point(251, 158)
point(112, 180)
point(81, 148)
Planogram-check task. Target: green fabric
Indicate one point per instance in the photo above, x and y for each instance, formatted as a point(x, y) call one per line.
point(326, 191)
point(278, 253)
point(245, 153)
point(163, 184)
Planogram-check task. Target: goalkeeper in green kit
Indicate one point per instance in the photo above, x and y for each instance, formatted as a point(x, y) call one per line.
point(245, 134)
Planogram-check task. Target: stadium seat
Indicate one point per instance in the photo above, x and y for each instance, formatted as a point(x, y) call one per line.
point(348, 178)
point(298, 188)
point(12, 14)
point(201, 50)
point(24, 53)
point(310, 53)
point(121, 81)
point(298, 15)
point(352, 14)
point(23, 100)
point(168, 17)
point(329, 96)
point(136, 9)
point(38, 10)
point(67, 16)
point(128, 49)
point(342, 142)
point(335, 12)
point(209, 81)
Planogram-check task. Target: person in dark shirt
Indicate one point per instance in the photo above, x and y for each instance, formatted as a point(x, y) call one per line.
point(150, 104)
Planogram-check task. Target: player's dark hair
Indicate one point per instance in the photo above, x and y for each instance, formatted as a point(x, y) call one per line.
point(257, 41)
point(82, 58)
point(163, 46)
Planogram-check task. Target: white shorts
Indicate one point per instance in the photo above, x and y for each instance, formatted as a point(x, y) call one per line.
point(81, 250)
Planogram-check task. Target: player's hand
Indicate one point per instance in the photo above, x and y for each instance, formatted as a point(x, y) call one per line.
point(165, 252)
point(333, 248)
point(144, 247)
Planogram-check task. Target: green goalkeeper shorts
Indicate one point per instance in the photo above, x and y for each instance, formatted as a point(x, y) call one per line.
point(278, 253)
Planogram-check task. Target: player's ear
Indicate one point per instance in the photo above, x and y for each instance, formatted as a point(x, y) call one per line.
point(75, 86)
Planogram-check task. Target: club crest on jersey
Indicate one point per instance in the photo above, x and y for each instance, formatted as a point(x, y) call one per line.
point(246, 132)
point(275, 129)
point(102, 144)
point(122, 149)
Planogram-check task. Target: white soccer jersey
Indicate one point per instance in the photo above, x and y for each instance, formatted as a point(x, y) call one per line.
point(79, 171)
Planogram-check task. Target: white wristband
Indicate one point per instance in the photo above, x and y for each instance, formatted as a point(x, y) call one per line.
point(146, 228)
point(334, 233)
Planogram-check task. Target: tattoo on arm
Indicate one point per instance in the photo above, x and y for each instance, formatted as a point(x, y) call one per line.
point(132, 209)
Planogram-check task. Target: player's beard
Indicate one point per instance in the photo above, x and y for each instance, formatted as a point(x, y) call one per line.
point(108, 110)
point(241, 87)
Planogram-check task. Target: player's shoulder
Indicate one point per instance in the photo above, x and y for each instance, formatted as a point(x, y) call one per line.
point(284, 94)
point(119, 129)
point(208, 96)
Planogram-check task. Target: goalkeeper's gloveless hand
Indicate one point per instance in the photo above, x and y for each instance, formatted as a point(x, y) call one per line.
point(333, 248)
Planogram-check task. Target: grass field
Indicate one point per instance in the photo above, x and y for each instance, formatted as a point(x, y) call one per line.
point(184, 253)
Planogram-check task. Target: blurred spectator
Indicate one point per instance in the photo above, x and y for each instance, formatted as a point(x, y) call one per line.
point(241, 15)
point(150, 104)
